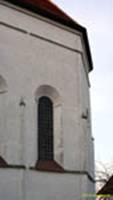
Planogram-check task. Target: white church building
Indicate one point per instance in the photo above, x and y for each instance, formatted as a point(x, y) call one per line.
point(46, 144)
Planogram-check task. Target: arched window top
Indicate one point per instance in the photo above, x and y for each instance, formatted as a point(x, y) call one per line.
point(50, 92)
point(3, 85)
point(45, 100)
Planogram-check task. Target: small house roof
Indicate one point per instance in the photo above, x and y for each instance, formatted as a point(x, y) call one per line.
point(50, 10)
point(107, 188)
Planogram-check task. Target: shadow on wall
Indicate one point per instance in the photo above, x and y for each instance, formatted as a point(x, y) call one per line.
point(3, 85)
point(3, 89)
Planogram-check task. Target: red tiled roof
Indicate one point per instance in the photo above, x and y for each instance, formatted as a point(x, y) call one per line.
point(48, 9)
point(49, 6)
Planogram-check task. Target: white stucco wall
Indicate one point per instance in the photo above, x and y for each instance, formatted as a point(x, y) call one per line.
point(40, 27)
point(27, 185)
point(41, 53)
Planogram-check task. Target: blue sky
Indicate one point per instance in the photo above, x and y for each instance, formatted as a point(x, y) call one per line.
point(97, 17)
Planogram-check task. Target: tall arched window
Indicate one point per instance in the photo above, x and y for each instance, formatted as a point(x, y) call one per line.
point(50, 138)
point(45, 128)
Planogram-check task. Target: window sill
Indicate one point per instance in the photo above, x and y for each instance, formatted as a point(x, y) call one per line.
point(48, 165)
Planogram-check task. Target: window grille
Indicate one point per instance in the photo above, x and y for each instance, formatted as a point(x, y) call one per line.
point(45, 129)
